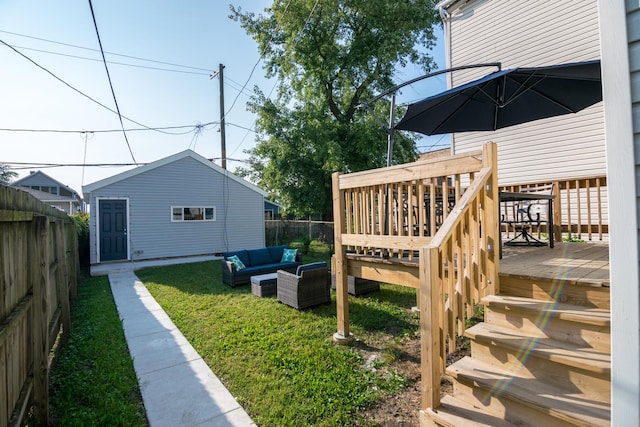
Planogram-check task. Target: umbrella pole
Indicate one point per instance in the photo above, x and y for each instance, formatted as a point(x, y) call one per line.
point(392, 112)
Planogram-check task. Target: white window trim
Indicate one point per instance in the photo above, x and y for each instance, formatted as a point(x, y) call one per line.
point(192, 220)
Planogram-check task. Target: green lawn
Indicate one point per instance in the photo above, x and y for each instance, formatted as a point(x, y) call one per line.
point(278, 362)
point(92, 380)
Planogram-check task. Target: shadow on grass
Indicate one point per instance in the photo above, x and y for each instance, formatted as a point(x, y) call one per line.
point(377, 311)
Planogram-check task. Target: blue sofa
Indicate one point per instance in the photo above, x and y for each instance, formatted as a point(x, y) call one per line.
point(256, 261)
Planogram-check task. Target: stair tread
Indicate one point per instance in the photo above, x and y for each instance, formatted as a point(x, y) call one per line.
point(593, 316)
point(564, 352)
point(547, 398)
point(454, 412)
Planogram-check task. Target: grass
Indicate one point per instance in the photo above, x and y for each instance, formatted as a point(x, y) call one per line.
point(92, 379)
point(280, 363)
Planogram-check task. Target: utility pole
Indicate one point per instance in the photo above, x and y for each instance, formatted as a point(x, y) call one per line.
point(223, 143)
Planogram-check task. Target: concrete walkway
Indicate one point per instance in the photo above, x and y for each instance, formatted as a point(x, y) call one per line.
point(177, 386)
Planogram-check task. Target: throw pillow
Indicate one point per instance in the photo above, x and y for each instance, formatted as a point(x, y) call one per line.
point(289, 255)
point(236, 261)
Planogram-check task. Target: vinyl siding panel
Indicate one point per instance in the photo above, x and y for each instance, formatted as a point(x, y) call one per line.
point(186, 182)
point(521, 33)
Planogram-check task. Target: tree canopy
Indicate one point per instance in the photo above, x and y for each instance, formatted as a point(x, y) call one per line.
point(329, 56)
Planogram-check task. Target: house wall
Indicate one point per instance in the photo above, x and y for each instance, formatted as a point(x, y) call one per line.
point(186, 182)
point(620, 34)
point(522, 33)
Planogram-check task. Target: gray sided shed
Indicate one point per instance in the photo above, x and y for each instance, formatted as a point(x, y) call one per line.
point(143, 214)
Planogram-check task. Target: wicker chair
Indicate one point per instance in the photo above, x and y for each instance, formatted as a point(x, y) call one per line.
point(308, 287)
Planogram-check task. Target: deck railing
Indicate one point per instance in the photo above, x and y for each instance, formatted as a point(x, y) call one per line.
point(457, 269)
point(580, 207)
point(432, 225)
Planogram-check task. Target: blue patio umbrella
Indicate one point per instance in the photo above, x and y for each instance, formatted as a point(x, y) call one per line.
point(506, 98)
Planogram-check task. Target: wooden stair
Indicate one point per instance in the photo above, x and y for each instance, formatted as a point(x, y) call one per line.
point(542, 357)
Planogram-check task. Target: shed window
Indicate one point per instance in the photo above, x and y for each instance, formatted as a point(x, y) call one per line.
point(182, 213)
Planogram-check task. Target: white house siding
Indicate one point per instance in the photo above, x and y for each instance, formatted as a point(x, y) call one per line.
point(523, 33)
point(620, 33)
point(185, 182)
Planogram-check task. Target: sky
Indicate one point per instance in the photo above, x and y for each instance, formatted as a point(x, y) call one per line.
point(48, 84)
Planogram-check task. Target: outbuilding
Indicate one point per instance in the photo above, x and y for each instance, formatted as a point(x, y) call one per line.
point(180, 206)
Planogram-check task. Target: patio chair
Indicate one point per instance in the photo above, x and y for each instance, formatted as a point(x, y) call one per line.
point(309, 286)
point(529, 218)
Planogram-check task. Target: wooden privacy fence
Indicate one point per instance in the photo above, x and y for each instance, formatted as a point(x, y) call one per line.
point(580, 206)
point(38, 273)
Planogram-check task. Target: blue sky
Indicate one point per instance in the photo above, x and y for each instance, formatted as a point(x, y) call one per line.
point(196, 34)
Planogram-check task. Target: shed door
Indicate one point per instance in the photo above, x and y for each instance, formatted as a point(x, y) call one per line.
point(113, 229)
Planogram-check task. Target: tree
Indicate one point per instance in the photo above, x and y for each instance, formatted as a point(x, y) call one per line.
point(6, 174)
point(329, 56)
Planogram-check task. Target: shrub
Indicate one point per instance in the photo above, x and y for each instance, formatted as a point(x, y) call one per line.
point(82, 229)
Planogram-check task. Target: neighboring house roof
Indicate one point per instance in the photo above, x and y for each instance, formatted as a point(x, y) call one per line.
point(46, 197)
point(167, 160)
point(40, 177)
point(269, 202)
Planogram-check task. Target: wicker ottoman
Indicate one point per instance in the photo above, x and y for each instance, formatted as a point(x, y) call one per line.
point(264, 285)
point(358, 286)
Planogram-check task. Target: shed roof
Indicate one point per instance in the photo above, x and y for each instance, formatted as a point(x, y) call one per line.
point(89, 188)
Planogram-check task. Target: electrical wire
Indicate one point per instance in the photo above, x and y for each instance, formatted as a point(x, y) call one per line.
point(77, 90)
point(155, 129)
point(257, 62)
point(276, 83)
point(109, 53)
point(95, 24)
point(112, 62)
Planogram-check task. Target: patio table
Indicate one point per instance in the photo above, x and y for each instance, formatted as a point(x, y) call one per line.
point(510, 196)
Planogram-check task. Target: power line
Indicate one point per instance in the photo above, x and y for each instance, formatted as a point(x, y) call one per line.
point(112, 62)
point(258, 61)
point(109, 53)
point(261, 55)
point(156, 129)
point(74, 89)
point(32, 165)
point(95, 24)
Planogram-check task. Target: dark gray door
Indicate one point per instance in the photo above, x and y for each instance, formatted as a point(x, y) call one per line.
point(113, 229)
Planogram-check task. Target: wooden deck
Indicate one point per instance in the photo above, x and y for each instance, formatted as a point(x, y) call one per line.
point(579, 262)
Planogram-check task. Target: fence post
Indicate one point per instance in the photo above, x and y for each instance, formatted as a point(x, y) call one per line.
point(62, 277)
point(39, 278)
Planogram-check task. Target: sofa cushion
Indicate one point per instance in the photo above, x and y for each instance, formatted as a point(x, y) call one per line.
point(311, 266)
point(276, 252)
point(259, 256)
point(241, 254)
point(236, 261)
point(289, 255)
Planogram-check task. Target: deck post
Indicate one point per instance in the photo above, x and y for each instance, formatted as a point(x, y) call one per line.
point(430, 349)
point(343, 335)
point(492, 208)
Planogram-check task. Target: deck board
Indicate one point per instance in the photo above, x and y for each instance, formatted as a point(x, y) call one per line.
point(570, 261)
